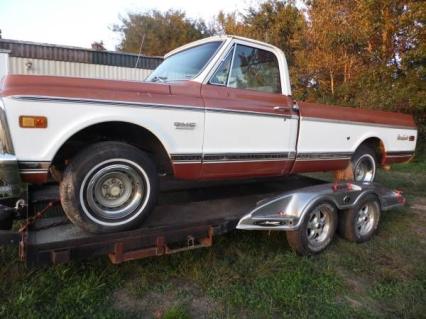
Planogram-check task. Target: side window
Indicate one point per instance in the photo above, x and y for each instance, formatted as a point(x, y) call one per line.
point(255, 69)
point(221, 75)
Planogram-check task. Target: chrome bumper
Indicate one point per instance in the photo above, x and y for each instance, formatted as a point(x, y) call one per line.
point(12, 191)
point(10, 180)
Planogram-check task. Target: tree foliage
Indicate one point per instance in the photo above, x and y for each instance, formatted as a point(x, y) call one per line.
point(276, 22)
point(360, 53)
point(156, 33)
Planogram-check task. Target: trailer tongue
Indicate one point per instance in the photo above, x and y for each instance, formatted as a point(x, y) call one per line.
point(186, 219)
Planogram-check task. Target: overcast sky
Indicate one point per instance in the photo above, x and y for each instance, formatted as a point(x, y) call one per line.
point(80, 22)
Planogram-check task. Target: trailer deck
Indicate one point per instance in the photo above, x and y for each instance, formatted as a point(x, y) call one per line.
point(183, 219)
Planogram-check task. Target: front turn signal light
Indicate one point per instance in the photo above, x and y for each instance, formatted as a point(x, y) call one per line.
point(28, 121)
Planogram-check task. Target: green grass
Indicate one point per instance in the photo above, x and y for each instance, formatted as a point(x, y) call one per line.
point(244, 275)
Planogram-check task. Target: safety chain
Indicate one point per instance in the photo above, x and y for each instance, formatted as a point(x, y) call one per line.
point(23, 230)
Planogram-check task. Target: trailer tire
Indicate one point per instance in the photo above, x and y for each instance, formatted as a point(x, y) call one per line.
point(358, 224)
point(108, 187)
point(364, 164)
point(316, 231)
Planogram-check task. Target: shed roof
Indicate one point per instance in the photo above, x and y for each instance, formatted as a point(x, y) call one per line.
point(34, 50)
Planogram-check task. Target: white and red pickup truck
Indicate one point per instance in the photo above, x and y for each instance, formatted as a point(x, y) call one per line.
point(218, 108)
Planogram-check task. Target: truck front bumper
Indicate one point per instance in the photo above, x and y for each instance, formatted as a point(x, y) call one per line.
point(10, 180)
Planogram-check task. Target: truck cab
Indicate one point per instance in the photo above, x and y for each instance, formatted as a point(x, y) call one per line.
point(250, 120)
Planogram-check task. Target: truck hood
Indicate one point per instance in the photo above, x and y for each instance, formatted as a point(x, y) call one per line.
point(105, 90)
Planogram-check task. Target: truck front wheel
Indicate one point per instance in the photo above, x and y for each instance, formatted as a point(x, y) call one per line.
point(109, 186)
point(316, 231)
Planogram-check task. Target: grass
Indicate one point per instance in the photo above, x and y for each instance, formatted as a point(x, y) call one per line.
point(244, 275)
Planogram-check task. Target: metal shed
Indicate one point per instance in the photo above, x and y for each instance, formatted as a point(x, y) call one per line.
point(26, 57)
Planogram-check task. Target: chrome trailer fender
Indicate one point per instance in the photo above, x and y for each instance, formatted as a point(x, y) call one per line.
point(287, 211)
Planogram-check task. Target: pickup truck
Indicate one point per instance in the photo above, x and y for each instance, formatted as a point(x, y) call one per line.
point(219, 108)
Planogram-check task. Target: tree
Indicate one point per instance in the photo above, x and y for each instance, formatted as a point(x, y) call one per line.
point(159, 32)
point(396, 75)
point(280, 23)
point(368, 54)
point(332, 57)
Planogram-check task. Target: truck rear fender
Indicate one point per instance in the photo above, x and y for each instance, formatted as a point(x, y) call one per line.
point(375, 143)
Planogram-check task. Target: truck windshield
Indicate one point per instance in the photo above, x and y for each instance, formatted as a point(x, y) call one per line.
point(184, 65)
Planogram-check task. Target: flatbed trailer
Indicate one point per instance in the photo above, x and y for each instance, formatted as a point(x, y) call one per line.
point(184, 219)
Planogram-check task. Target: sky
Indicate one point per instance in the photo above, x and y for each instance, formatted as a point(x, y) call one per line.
point(81, 22)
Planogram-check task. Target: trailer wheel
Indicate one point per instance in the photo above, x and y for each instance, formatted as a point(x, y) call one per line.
point(109, 186)
point(316, 231)
point(359, 223)
point(364, 164)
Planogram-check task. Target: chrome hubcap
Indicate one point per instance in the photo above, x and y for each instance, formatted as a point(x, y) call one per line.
point(114, 191)
point(365, 219)
point(364, 170)
point(319, 227)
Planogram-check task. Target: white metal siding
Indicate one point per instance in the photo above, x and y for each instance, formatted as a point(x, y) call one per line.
point(74, 69)
point(3, 63)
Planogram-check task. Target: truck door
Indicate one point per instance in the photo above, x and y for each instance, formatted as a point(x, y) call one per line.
point(250, 126)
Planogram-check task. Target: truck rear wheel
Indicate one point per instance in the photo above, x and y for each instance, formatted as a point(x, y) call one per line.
point(364, 164)
point(359, 223)
point(316, 231)
point(110, 186)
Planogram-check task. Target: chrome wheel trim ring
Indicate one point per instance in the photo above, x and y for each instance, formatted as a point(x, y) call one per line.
point(319, 226)
point(113, 213)
point(365, 169)
point(366, 218)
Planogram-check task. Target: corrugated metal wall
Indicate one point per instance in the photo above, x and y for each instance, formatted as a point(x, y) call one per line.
point(4, 65)
point(62, 68)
